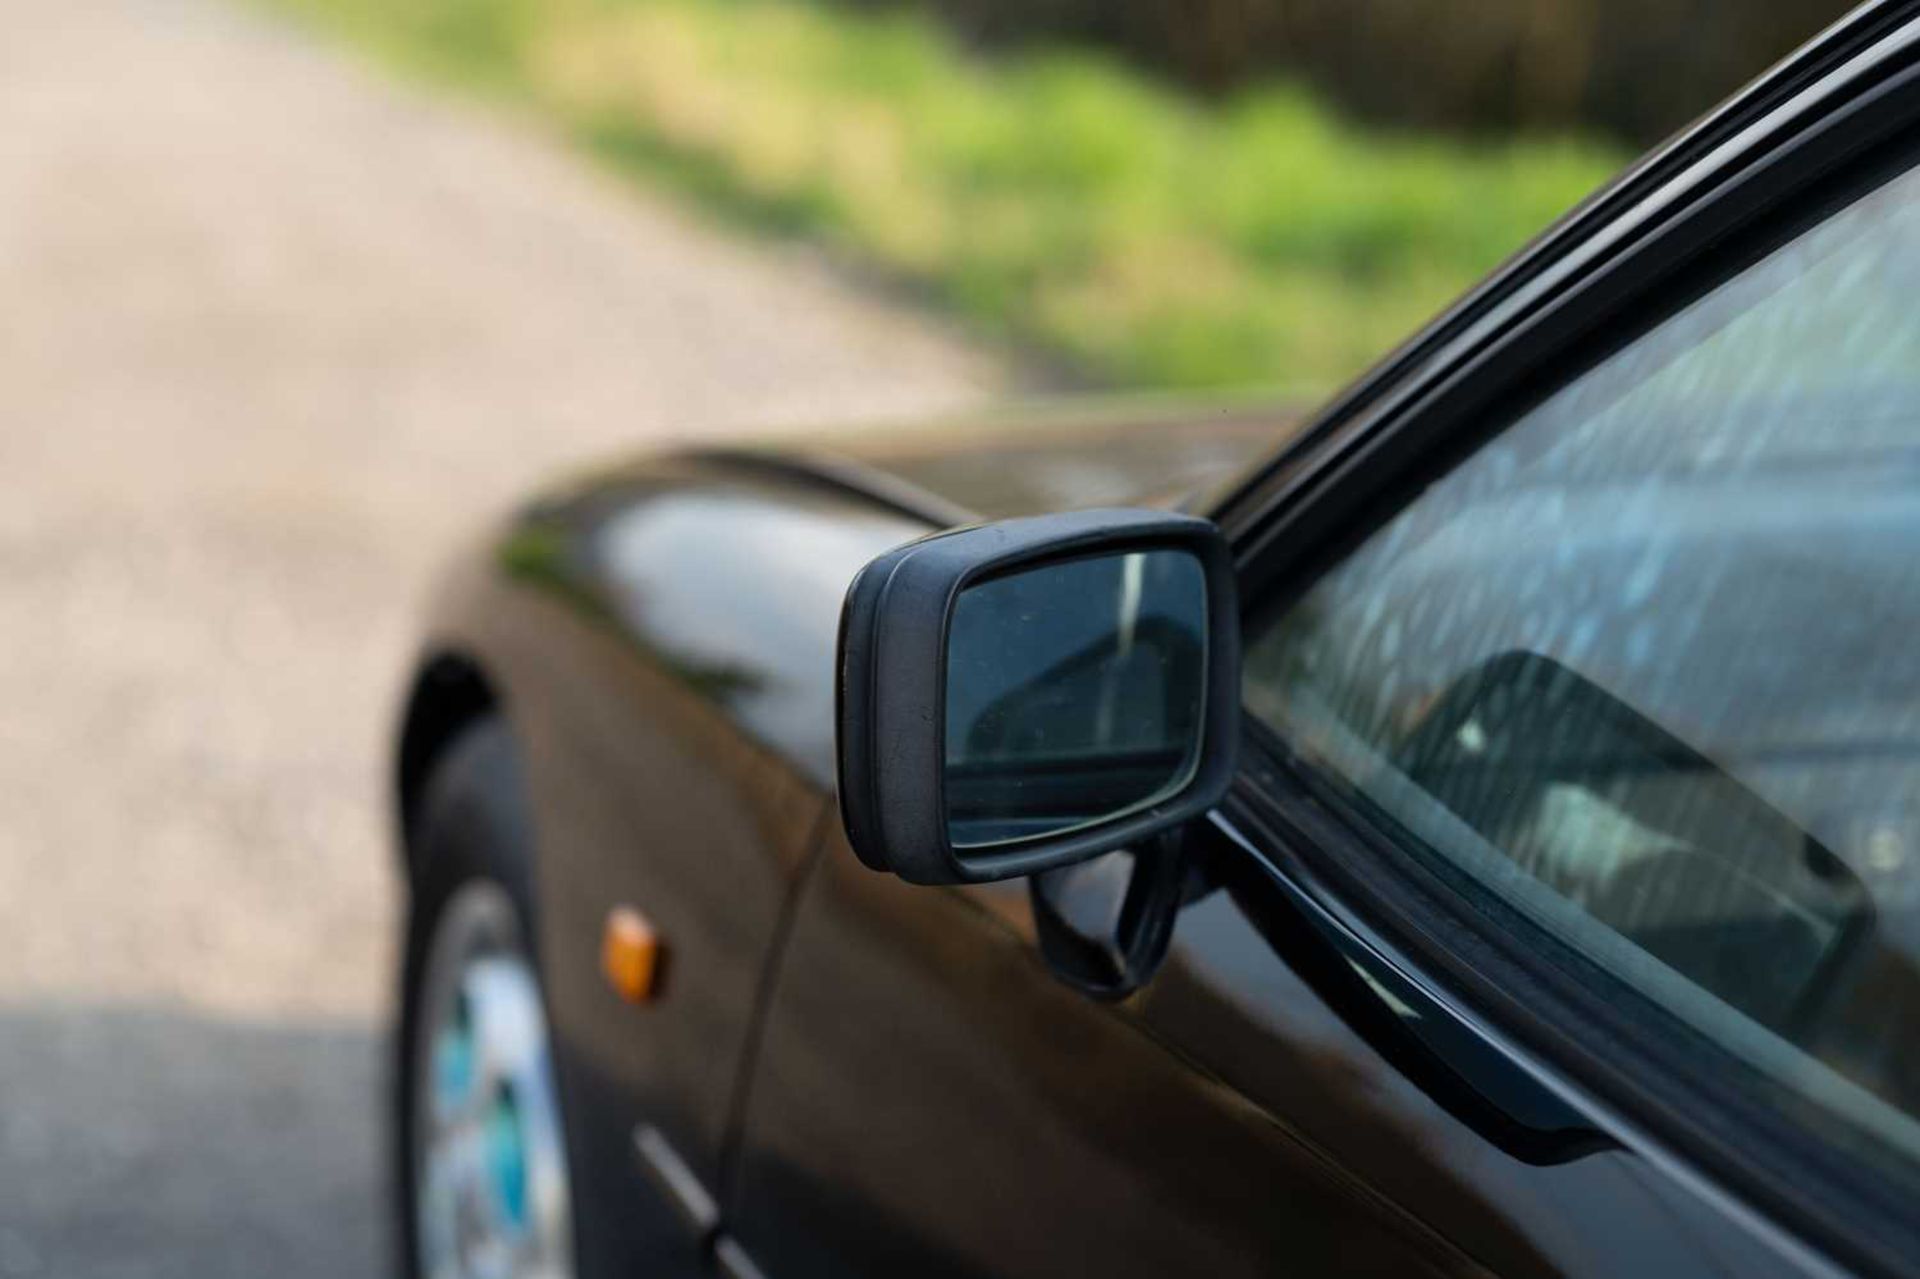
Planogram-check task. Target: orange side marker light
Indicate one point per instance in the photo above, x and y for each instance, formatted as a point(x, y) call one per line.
point(632, 957)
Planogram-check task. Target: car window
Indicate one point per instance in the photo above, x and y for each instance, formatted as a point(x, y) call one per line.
point(1643, 673)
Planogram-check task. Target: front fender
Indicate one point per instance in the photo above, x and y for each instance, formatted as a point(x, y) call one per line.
point(660, 639)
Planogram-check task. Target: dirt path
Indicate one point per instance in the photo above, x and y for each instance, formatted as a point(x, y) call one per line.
point(273, 334)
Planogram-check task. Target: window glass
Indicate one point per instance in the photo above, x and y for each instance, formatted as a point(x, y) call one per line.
point(1645, 670)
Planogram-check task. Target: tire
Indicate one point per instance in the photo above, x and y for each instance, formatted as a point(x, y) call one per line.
point(479, 1148)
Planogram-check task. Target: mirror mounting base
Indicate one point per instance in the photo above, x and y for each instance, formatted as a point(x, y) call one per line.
point(1104, 925)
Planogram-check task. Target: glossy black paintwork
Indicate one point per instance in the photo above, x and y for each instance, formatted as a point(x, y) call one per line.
point(877, 1078)
point(926, 1097)
point(929, 1100)
point(656, 638)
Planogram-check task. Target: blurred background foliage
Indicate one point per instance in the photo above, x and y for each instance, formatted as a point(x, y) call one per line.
point(1161, 193)
point(1630, 69)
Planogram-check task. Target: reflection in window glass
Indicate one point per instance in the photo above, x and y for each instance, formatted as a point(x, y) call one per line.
point(1647, 667)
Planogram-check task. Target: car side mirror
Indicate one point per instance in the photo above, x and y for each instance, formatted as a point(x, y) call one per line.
point(1026, 694)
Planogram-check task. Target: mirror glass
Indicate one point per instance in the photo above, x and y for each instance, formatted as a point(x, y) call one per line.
point(1075, 692)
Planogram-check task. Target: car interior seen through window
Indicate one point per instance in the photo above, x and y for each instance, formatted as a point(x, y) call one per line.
point(1644, 672)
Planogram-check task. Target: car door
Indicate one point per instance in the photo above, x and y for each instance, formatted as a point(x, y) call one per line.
point(1562, 918)
point(929, 1100)
point(1595, 705)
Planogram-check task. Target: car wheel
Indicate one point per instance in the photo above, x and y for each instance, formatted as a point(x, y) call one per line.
point(481, 1147)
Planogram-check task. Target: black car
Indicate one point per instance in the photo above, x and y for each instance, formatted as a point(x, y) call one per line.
point(1472, 829)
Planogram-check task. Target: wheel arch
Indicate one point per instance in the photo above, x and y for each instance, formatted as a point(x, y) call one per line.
point(450, 691)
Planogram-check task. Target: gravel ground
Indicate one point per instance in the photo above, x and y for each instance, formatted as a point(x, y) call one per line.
point(273, 334)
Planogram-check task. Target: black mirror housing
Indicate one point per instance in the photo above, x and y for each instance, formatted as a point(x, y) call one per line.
point(892, 692)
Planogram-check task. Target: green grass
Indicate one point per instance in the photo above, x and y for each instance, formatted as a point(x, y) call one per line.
point(1055, 198)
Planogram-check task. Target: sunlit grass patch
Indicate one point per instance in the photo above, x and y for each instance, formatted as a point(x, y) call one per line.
point(1055, 197)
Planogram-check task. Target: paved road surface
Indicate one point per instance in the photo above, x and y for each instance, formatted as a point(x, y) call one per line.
point(273, 333)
